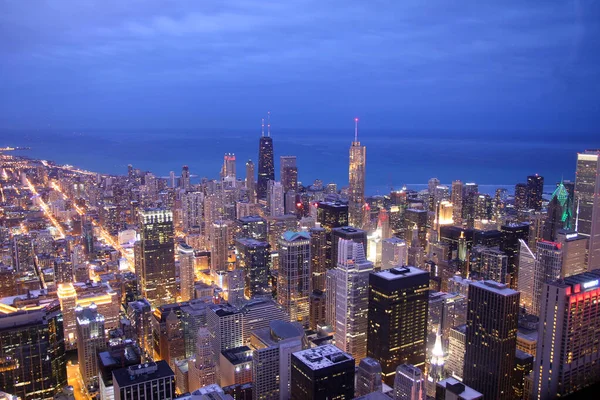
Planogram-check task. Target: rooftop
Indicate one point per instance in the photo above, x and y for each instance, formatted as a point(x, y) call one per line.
point(460, 389)
point(496, 287)
point(399, 272)
point(322, 356)
point(293, 236)
point(142, 373)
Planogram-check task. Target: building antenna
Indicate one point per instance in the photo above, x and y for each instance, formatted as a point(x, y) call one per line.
point(356, 129)
point(269, 123)
point(262, 127)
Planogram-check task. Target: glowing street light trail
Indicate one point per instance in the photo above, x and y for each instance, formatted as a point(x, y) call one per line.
point(103, 233)
point(46, 210)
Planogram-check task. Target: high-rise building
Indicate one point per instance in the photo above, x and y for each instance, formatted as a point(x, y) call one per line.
point(250, 182)
point(32, 350)
point(139, 313)
point(254, 257)
point(452, 389)
point(455, 362)
point(192, 207)
point(568, 354)
point(587, 203)
point(350, 298)
point(509, 244)
point(202, 368)
point(149, 381)
point(318, 258)
point(266, 163)
point(469, 197)
point(368, 377)
point(228, 172)
point(157, 253)
point(276, 199)
point(184, 182)
point(535, 189)
point(288, 173)
point(91, 339)
point(574, 248)
point(457, 200)
point(186, 271)
point(317, 309)
point(272, 349)
point(253, 227)
point(397, 319)
point(547, 267)
point(346, 233)
point(322, 373)
point(293, 279)
point(560, 211)
point(521, 197)
point(258, 314)
point(491, 339)
point(224, 324)
point(409, 383)
point(488, 263)
point(527, 267)
point(332, 215)
point(219, 246)
point(356, 180)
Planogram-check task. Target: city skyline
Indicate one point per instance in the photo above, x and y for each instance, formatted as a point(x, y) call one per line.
point(188, 208)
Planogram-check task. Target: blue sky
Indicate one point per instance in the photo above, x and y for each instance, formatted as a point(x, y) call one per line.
point(528, 66)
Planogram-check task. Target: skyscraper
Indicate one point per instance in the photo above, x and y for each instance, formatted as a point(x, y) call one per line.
point(276, 199)
point(90, 340)
point(356, 180)
point(288, 173)
point(272, 349)
point(409, 383)
point(394, 253)
point(184, 182)
point(568, 354)
point(547, 267)
point(318, 258)
point(509, 244)
point(229, 173)
point(521, 197)
point(149, 381)
point(587, 203)
point(186, 271)
point(397, 318)
point(368, 377)
point(535, 189)
point(219, 247)
point(293, 280)
point(192, 205)
point(32, 352)
point(457, 200)
point(250, 182)
point(254, 257)
point(266, 163)
point(350, 298)
point(560, 211)
point(157, 252)
point(322, 373)
point(491, 337)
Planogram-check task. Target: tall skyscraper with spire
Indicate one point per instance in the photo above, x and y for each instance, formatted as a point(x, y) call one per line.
point(266, 163)
point(356, 179)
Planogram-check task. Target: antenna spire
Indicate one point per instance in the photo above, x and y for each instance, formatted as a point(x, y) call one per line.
point(356, 129)
point(262, 127)
point(269, 123)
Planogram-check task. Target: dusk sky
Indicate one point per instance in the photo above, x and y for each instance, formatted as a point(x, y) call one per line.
point(528, 66)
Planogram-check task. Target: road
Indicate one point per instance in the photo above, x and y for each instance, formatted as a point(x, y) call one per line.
point(74, 379)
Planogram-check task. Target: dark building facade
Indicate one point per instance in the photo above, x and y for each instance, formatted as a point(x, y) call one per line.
point(491, 339)
point(397, 325)
point(266, 166)
point(535, 189)
point(33, 364)
point(509, 244)
point(254, 257)
point(157, 256)
point(322, 373)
